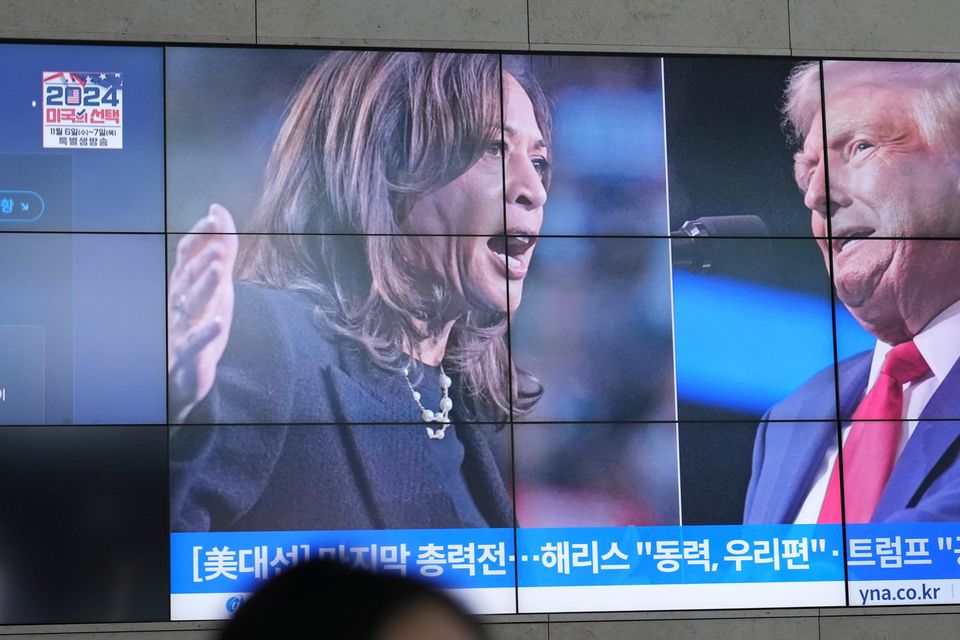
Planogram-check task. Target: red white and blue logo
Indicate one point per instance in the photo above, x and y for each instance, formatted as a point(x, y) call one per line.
point(82, 110)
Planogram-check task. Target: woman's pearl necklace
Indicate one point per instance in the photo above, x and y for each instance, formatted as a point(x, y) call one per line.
point(446, 404)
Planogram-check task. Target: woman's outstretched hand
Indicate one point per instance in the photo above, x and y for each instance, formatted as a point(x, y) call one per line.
point(200, 308)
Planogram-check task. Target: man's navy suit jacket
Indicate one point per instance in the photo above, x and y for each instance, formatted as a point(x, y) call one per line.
point(924, 485)
point(296, 435)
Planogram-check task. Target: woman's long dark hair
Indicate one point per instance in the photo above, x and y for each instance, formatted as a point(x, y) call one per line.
point(366, 136)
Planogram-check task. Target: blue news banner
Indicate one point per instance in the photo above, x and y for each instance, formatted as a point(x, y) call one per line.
point(903, 563)
point(585, 568)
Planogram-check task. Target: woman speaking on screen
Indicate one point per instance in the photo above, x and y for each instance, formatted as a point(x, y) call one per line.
point(345, 365)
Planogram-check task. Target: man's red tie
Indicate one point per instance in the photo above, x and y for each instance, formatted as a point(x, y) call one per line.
point(871, 448)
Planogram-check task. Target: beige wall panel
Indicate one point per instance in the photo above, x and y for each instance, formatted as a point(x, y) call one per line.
point(164, 20)
point(717, 629)
point(521, 631)
point(707, 26)
point(125, 635)
point(866, 627)
point(495, 24)
point(899, 28)
point(119, 631)
point(890, 611)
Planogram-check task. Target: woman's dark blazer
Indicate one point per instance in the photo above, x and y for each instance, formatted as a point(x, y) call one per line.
point(295, 435)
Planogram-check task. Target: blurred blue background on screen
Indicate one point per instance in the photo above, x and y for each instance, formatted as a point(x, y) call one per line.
point(595, 321)
point(744, 347)
point(98, 302)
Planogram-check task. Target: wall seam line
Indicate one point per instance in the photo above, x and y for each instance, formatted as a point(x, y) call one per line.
point(789, 29)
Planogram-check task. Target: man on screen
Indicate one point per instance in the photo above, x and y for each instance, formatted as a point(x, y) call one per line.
point(892, 198)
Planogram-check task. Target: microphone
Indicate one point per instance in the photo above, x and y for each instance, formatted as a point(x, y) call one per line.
point(691, 252)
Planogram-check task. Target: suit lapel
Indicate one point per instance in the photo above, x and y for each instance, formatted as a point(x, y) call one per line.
point(794, 450)
point(483, 476)
point(929, 442)
point(392, 463)
point(396, 468)
point(854, 375)
point(811, 446)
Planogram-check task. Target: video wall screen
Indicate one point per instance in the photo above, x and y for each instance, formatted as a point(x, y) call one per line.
point(550, 332)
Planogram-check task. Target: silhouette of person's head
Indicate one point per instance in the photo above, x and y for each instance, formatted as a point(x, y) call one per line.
point(326, 600)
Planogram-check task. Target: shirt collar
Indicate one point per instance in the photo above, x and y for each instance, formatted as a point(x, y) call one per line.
point(938, 343)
